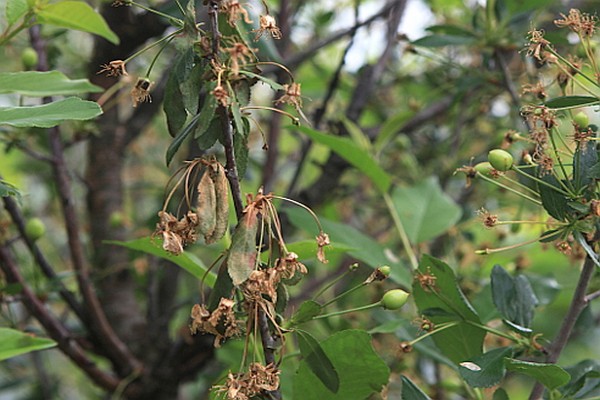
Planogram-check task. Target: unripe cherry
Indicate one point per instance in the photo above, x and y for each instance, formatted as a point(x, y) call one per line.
point(35, 229)
point(581, 119)
point(484, 168)
point(394, 299)
point(500, 159)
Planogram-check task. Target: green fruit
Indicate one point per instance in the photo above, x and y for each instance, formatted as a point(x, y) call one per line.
point(116, 219)
point(484, 168)
point(35, 229)
point(29, 58)
point(500, 159)
point(581, 120)
point(394, 299)
point(385, 270)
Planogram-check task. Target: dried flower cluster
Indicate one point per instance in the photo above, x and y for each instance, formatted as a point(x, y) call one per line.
point(581, 23)
point(221, 322)
point(258, 379)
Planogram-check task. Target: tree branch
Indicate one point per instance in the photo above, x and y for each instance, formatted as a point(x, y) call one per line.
point(578, 304)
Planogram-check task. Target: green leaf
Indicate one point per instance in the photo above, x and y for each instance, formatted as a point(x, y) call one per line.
point(40, 84)
point(182, 91)
point(51, 114)
point(357, 135)
point(274, 85)
point(486, 370)
point(585, 373)
point(76, 15)
point(584, 159)
point(444, 40)
point(425, 210)
point(550, 375)
point(445, 302)
point(223, 287)
point(15, 9)
point(317, 361)
point(180, 138)
point(555, 203)
point(447, 29)
point(360, 370)
point(513, 297)
point(500, 394)
point(307, 311)
point(207, 112)
point(185, 260)
point(391, 127)
point(14, 343)
point(352, 153)
point(566, 102)
point(8, 189)
point(410, 391)
point(586, 246)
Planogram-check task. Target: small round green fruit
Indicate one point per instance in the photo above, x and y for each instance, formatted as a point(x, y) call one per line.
point(35, 229)
point(29, 58)
point(116, 219)
point(500, 159)
point(394, 299)
point(484, 168)
point(581, 119)
point(385, 270)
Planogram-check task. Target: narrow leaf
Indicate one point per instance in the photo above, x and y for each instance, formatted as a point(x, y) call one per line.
point(180, 138)
point(51, 114)
point(40, 84)
point(565, 102)
point(185, 260)
point(223, 287)
point(588, 249)
point(8, 189)
point(444, 40)
point(76, 15)
point(550, 375)
point(410, 391)
point(360, 370)
point(317, 361)
point(274, 85)
point(175, 107)
point(206, 116)
point(352, 153)
point(14, 343)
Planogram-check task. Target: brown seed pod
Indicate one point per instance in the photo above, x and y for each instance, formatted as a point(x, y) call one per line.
point(206, 206)
point(219, 179)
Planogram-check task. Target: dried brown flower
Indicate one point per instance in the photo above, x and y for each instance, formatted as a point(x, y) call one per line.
point(537, 44)
point(545, 162)
point(470, 173)
point(221, 322)
point(221, 94)
point(176, 234)
point(235, 11)
point(291, 96)
point(267, 24)
point(537, 90)
point(405, 347)
point(288, 266)
point(427, 280)
point(113, 68)
point(578, 22)
point(257, 379)
point(141, 92)
point(489, 220)
point(564, 247)
point(322, 241)
point(239, 53)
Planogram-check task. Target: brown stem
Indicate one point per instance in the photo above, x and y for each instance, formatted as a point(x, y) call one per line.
point(57, 331)
point(578, 304)
point(116, 350)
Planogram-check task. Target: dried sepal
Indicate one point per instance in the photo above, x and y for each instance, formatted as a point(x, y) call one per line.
point(221, 322)
point(322, 241)
point(140, 93)
point(206, 205)
point(176, 234)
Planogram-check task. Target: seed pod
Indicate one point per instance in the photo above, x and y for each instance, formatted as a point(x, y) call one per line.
point(219, 179)
point(206, 206)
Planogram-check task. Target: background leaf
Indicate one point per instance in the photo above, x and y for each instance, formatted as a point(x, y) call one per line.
point(76, 15)
point(51, 114)
point(361, 371)
point(352, 153)
point(585, 378)
point(571, 101)
point(14, 343)
point(445, 303)
point(40, 84)
point(550, 375)
point(15, 9)
point(425, 210)
point(185, 260)
point(307, 311)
